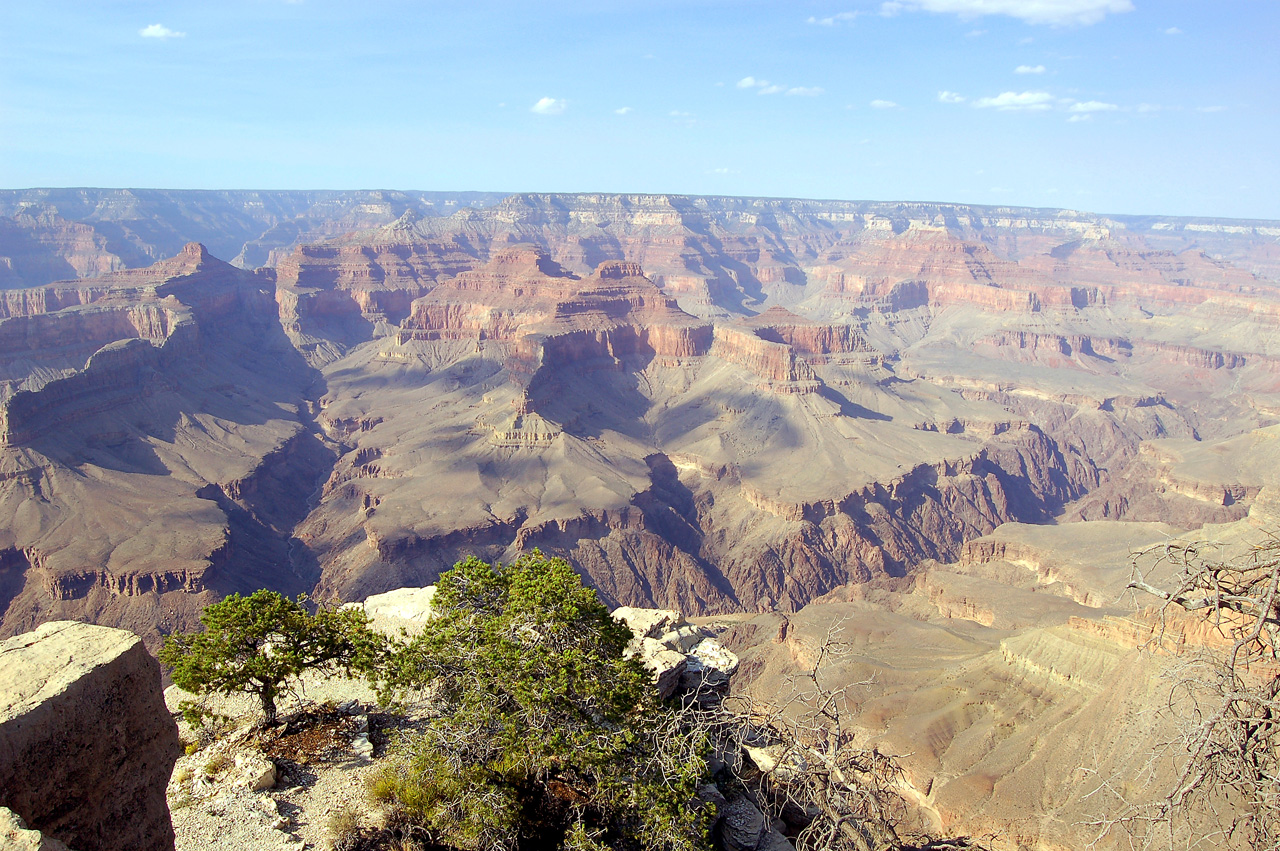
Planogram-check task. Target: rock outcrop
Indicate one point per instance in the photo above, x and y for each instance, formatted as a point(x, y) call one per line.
point(680, 656)
point(16, 836)
point(86, 743)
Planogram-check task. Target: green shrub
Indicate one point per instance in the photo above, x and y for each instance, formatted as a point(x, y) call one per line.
point(545, 737)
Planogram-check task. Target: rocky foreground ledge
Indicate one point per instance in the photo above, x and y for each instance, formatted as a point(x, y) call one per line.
point(86, 743)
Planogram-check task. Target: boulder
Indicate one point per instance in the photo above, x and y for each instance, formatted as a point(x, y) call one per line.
point(649, 623)
point(86, 743)
point(741, 826)
point(710, 665)
point(403, 608)
point(666, 665)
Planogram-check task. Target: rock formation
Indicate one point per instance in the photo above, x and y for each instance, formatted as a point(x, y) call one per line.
point(86, 744)
point(154, 445)
point(709, 404)
point(947, 423)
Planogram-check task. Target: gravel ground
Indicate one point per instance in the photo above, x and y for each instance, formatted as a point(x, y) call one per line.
point(221, 795)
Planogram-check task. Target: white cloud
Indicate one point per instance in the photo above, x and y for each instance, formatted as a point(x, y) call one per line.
point(1173, 31)
point(832, 20)
point(1093, 106)
point(159, 31)
point(1029, 69)
point(1016, 101)
point(1078, 117)
point(950, 97)
point(764, 87)
point(1055, 12)
point(1149, 107)
point(883, 104)
point(623, 110)
point(550, 106)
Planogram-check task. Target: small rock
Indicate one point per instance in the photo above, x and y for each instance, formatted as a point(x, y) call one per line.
point(349, 707)
point(362, 746)
point(254, 772)
point(404, 608)
point(683, 638)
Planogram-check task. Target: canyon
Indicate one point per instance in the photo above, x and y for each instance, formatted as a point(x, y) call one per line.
point(943, 427)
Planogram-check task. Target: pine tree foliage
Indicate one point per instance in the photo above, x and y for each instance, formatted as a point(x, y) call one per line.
point(545, 735)
point(257, 644)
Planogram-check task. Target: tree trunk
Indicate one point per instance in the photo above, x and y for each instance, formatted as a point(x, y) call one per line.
point(268, 697)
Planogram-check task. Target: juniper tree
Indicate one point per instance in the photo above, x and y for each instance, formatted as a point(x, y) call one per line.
point(545, 736)
point(256, 644)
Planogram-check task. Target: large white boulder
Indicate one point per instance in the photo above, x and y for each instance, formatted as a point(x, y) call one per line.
point(86, 742)
point(406, 609)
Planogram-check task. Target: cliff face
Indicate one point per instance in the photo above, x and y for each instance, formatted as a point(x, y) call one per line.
point(706, 403)
point(942, 426)
point(86, 742)
point(49, 235)
point(148, 421)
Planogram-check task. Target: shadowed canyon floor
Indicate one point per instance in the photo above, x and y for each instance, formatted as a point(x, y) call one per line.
point(942, 426)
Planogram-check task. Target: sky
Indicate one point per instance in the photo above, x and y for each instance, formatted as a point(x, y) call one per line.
point(1166, 107)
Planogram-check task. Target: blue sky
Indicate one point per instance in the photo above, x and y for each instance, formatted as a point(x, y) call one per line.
point(1114, 106)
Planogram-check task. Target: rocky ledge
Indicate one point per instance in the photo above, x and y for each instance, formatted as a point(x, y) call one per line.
point(86, 744)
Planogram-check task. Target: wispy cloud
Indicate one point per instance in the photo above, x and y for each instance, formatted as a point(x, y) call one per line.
point(1029, 69)
point(764, 87)
point(550, 106)
point(1078, 117)
point(832, 20)
point(1092, 106)
point(950, 97)
point(1173, 31)
point(883, 104)
point(1016, 101)
point(159, 31)
point(1053, 12)
point(622, 110)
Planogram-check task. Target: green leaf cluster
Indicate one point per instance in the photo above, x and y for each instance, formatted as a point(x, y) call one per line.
point(256, 644)
point(546, 736)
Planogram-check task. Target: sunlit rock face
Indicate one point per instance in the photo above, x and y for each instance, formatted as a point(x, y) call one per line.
point(940, 428)
point(711, 404)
